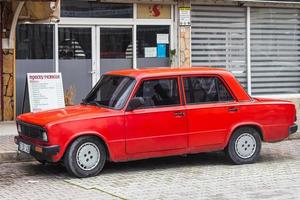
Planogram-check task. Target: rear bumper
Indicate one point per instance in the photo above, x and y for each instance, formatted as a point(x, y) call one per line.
point(293, 129)
point(42, 153)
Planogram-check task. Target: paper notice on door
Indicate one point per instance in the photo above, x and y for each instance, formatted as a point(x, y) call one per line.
point(162, 38)
point(150, 52)
point(161, 50)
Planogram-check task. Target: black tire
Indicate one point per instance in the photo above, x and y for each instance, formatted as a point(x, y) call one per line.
point(70, 159)
point(243, 151)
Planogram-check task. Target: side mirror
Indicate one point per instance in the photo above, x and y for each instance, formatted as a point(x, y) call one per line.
point(135, 103)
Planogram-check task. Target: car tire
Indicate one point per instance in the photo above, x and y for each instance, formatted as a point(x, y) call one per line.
point(244, 146)
point(85, 157)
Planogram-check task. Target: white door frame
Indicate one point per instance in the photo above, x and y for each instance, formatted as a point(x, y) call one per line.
point(95, 23)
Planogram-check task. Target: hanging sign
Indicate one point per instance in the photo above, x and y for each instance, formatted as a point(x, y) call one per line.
point(153, 11)
point(45, 91)
point(185, 16)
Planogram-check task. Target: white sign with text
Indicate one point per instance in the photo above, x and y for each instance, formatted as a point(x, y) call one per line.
point(45, 91)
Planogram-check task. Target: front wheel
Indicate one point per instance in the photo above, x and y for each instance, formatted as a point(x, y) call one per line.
point(244, 146)
point(85, 157)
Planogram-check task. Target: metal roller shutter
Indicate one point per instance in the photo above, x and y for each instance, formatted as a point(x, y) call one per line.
point(275, 50)
point(219, 38)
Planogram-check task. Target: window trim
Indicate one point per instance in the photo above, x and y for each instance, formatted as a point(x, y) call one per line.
point(220, 78)
point(140, 82)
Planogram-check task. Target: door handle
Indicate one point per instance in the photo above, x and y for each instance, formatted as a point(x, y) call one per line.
point(233, 109)
point(92, 72)
point(179, 114)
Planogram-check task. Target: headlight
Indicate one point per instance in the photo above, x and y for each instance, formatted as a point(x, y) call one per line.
point(44, 136)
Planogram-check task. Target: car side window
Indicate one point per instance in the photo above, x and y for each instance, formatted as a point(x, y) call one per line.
point(205, 90)
point(159, 92)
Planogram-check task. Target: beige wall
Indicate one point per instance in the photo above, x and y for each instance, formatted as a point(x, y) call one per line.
point(8, 84)
point(184, 39)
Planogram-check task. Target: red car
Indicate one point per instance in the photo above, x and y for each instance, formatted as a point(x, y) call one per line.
point(146, 113)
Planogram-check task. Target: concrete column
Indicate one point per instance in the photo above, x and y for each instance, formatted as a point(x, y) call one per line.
point(184, 37)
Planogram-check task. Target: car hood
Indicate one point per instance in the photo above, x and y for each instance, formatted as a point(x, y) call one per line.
point(69, 113)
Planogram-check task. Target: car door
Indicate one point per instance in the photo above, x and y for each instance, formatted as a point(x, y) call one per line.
point(211, 111)
point(161, 123)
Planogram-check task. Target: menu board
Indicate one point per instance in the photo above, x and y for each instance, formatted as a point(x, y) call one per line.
point(45, 91)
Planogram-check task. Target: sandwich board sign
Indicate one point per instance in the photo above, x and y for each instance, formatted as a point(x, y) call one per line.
point(45, 91)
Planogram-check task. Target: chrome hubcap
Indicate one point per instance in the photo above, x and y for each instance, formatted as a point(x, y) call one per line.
point(245, 145)
point(88, 156)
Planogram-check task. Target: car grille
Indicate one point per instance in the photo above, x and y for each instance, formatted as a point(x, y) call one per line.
point(31, 130)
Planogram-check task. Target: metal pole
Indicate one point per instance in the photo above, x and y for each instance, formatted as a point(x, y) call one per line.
point(248, 52)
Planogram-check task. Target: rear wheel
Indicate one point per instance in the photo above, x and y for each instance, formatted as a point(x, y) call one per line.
point(244, 146)
point(85, 157)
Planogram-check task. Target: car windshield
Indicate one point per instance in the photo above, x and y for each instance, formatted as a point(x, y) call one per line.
point(111, 91)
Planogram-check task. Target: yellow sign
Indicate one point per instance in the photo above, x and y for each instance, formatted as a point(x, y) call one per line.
point(153, 11)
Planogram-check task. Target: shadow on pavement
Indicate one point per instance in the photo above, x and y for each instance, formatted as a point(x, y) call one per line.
point(202, 159)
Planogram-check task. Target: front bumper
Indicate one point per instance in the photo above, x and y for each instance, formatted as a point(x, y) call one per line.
point(293, 129)
point(42, 153)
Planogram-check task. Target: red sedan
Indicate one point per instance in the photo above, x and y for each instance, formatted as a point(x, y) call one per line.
point(146, 113)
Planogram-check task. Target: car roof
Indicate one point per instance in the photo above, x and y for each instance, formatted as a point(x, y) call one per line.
point(167, 71)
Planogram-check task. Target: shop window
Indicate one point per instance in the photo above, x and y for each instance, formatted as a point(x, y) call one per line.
point(34, 41)
point(74, 43)
point(95, 9)
point(205, 89)
point(153, 43)
point(116, 42)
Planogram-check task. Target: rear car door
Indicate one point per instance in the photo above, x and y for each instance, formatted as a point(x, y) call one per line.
point(211, 111)
point(161, 123)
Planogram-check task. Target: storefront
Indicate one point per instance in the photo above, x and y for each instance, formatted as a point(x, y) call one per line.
point(258, 42)
point(93, 38)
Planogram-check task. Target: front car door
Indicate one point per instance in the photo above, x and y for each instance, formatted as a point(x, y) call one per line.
point(161, 123)
point(211, 111)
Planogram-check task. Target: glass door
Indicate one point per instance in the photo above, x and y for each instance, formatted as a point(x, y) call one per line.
point(75, 61)
point(116, 49)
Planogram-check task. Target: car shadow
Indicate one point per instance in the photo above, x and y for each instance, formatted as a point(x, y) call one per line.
point(201, 159)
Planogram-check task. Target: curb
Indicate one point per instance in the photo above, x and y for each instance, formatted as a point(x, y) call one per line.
point(14, 156)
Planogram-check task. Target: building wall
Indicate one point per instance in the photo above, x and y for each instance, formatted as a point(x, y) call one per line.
point(185, 39)
point(8, 64)
point(8, 84)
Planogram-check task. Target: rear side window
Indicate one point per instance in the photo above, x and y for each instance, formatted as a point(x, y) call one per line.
point(159, 92)
point(205, 90)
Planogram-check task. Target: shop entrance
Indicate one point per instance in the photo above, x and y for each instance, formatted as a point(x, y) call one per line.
point(82, 53)
point(87, 52)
